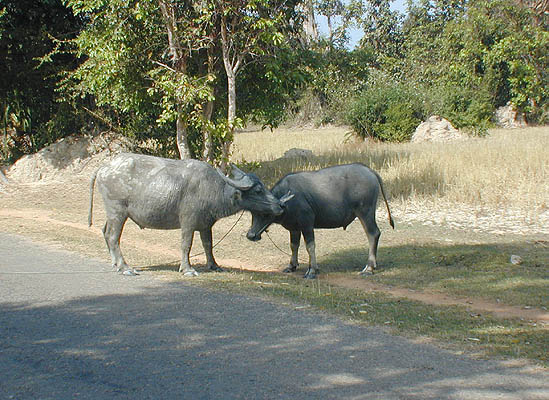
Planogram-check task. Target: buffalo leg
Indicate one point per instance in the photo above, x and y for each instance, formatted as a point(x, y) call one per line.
point(372, 232)
point(112, 232)
point(295, 237)
point(186, 244)
point(207, 243)
point(309, 237)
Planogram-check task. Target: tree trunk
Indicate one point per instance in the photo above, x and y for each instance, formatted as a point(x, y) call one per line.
point(309, 24)
point(180, 65)
point(330, 31)
point(181, 138)
point(208, 153)
point(231, 69)
point(231, 116)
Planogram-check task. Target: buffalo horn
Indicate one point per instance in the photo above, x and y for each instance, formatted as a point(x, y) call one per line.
point(237, 172)
point(242, 183)
point(287, 197)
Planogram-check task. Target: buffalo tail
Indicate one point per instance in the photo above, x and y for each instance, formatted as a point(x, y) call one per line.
point(391, 222)
point(92, 185)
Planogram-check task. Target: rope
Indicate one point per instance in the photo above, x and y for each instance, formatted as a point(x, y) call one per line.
point(56, 273)
point(224, 236)
point(300, 260)
point(275, 245)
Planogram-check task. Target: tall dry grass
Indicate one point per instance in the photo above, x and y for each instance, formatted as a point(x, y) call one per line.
point(507, 169)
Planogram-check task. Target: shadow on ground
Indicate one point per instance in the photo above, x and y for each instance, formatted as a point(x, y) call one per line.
point(186, 342)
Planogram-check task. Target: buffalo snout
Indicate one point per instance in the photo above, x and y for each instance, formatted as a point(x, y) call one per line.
point(254, 237)
point(278, 210)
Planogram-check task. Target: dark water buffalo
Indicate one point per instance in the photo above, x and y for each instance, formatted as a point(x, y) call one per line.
point(329, 198)
point(160, 193)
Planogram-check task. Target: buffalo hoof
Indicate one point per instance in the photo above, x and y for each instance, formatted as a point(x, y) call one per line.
point(129, 272)
point(310, 274)
point(289, 269)
point(367, 271)
point(190, 272)
point(216, 268)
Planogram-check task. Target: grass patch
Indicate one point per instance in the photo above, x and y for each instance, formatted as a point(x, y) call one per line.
point(455, 326)
point(463, 270)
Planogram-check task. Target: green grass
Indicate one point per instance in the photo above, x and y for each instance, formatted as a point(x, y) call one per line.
point(464, 270)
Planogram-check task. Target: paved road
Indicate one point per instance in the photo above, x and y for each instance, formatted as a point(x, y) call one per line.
point(72, 329)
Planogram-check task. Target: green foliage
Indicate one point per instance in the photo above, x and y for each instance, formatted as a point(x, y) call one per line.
point(267, 88)
point(385, 110)
point(465, 108)
point(106, 64)
point(332, 78)
point(487, 53)
point(29, 105)
point(129, 71)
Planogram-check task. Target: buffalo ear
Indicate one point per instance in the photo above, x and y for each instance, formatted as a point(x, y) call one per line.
point(236, 197)
point(287, 197)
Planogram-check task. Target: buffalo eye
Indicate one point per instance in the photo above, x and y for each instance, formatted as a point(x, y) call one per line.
point(258, 189)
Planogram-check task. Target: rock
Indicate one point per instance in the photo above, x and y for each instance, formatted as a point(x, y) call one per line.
point(516, 260)
point(508, 117)
point(298, 153)
point(436, 129)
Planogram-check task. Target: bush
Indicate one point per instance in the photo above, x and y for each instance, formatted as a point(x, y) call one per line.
point(386, 110)
point(465, 108)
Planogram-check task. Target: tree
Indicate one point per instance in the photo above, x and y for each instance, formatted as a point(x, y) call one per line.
point(381, 27)
point(143, 63)
point(31, 114)
point(333, 9)
point(249, 30)
point(178, 58)
point(310, 28)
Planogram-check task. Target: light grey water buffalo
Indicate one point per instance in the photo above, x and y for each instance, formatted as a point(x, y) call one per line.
point(329, 198)
point(161, 193)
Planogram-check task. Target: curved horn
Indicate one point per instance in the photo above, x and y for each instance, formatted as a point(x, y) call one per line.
point(237, 172)
point(244, 183)
point(287, 197)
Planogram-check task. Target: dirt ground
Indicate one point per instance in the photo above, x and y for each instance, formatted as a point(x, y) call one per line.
point(47, 198)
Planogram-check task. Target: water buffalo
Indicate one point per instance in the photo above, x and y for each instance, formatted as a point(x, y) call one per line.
point(328, 198)
point(161, 193)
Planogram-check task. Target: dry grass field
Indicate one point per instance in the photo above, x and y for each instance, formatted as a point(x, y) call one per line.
point(504, 175)
point(461, 210)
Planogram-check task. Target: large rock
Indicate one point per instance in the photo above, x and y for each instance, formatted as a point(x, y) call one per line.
point(508, 117)
point(436, 129)
point(303, 154)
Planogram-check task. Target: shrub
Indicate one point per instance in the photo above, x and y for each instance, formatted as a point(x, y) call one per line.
point(385, 110)
point(465, 108)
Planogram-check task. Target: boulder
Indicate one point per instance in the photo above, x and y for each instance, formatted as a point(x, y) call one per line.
point(436, 129)
point(303, 154)
point(508, 117)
